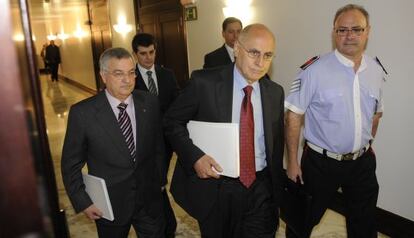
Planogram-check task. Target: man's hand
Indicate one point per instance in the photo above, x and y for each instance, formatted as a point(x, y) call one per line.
point(206, 167)
point(294, 172)
point(93, 212)
point(293, 125)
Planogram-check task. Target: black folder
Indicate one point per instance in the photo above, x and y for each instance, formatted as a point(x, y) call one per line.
point(295, 208)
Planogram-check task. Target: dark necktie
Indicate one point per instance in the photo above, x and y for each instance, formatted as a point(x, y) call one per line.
point(126, 128)
point(151, 84)
point(247, 155)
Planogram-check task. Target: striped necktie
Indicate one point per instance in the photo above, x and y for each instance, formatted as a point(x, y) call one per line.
point(126, 128)
point(151, 84)
point(247, 155)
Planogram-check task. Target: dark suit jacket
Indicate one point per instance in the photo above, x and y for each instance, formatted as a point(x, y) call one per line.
point(52, 54)
point(209, 97)
point(219, 57)
point(93, 137)
point(167, 86)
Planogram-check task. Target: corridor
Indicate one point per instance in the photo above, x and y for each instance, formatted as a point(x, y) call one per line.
point(57, 99)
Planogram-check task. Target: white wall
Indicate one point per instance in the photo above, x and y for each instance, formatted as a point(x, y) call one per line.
point(303, 30)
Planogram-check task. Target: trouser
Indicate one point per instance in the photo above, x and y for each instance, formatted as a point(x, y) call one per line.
point(145, 226)
point(171, 222)
point(54, 71)
point(241, 212)
point(323, 176)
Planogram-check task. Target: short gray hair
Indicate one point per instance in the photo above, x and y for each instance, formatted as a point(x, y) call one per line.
point(118, 53)
point(351, 7)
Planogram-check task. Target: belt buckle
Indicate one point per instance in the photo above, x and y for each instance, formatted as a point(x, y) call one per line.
point(349, 156)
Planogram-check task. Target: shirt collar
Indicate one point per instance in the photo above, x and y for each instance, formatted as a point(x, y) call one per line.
point(349, 63)
point(115, 101)
point(143, 70)
point(230, 51)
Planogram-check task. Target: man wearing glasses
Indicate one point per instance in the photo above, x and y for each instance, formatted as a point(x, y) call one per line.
point(339, 96)
point(241, 93)
point(118, 135)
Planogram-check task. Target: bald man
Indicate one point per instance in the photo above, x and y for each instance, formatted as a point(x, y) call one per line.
point(239, 93)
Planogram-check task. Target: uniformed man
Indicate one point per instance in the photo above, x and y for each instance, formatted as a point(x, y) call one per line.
point(339, 95)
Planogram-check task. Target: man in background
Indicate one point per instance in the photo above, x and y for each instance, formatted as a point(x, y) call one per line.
point(225, 54)
point(53, 59)
point(339, 97)
point(161, 82)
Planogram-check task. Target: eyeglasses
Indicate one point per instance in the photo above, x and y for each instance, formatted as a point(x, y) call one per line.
point(344, 31)
point(118, 74)
point(255, 54)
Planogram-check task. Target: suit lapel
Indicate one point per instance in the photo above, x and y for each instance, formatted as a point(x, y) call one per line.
point(108, 121)
point(267, 116)
point(141, 119)
point(139, 81)
point(160, 77)
point(226, 57)
point(224, 98)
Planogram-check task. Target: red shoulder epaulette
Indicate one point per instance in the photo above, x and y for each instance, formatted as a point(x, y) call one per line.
point(379, 62)
point(309, 62)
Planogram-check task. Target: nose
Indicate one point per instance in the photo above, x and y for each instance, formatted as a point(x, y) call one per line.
point(260, 61)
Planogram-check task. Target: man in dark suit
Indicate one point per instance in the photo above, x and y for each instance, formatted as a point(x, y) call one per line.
point(53, 59)
point(161, 82)
point(224, 55)
point(117, 134)
point(223, 206)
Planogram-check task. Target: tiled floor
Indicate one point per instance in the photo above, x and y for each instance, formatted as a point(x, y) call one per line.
point(57, 98)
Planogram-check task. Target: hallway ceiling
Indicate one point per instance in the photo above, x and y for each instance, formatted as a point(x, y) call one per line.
point(44, 11)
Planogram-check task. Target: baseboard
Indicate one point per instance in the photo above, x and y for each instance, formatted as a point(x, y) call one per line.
point(78, 85)
point(388, 223)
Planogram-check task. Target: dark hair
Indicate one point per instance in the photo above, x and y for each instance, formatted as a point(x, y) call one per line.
point(142, 39)
point(230, 20)
point(350, 7)
point(118, 53)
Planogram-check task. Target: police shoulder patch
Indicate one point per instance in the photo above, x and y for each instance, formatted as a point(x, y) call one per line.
point(379, 63)
point(295, 85)
point(309, 62)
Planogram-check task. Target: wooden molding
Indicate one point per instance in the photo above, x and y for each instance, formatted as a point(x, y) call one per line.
point(78, 85)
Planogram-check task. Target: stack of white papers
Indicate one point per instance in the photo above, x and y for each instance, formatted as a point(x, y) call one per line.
point(220, 141)
point(97, 191)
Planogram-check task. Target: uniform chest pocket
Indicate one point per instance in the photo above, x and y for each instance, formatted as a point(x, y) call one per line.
point(370, 101)
point(331, 104)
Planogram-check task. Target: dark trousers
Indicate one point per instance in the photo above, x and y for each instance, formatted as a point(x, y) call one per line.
point(323, 176)
point(241, 212)
point(54, 71)
point(145, 226)
point(171, 222)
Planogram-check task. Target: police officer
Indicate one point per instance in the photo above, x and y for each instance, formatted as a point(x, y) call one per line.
point(339, 95)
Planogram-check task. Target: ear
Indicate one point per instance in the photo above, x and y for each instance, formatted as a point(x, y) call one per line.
point(368, 30)
point(103, 76)
point(236, 48)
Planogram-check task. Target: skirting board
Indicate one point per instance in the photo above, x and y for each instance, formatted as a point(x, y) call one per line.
point(78, 85)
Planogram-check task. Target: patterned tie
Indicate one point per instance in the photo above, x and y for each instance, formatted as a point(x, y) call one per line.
point(126, 128)
point(247, 155)
point(151, 84)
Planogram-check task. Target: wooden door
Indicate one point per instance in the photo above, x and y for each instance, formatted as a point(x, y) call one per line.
point(101, 34)
point(164, 20)
point(29, 203)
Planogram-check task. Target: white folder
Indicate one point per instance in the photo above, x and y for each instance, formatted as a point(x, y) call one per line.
point(220, 141)
point(97, 191)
